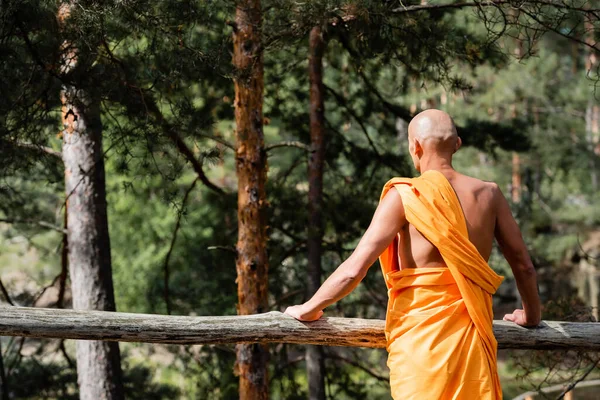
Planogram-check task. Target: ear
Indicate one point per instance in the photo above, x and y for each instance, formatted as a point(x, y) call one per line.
point(458, 144)
point(418, 149)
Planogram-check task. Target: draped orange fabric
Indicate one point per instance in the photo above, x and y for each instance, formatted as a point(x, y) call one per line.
point(439, 320)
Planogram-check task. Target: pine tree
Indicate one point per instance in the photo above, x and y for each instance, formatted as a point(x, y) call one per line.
point(251, 169)
point(89, 256)
point(315, 363)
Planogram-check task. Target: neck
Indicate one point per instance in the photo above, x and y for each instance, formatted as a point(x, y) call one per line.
point(437, 163)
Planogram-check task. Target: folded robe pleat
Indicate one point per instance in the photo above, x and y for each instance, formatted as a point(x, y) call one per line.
point(439, 320)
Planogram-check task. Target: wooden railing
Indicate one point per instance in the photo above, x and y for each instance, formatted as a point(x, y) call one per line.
point(272, 327)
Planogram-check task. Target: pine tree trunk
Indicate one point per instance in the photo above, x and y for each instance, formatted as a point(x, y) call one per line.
point(251, 169)
point(516, 178)
point(98, 362)
point(3, 380)
point(315, 362)
point(592, 112)
point(516, 188)
point(591, 130)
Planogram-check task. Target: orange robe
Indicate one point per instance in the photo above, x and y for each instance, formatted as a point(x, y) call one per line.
point(439, 320)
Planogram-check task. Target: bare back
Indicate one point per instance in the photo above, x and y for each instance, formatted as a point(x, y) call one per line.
point(479, 203)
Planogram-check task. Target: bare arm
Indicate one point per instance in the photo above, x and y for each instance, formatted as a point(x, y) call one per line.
point(514, 250)
point(387, 221)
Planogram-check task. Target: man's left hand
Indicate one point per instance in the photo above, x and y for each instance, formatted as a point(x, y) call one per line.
point(302, 314)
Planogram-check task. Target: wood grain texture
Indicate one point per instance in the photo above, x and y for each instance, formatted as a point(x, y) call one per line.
point(271, 327)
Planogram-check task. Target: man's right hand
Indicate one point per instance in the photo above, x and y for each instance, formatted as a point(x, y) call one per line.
point(518, 317)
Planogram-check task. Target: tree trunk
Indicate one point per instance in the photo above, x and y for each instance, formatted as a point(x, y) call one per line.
point(3, 380)
point(516, 178)
point(251, 169)
point(98, 362)
point(592, 112)
point(591, 130)
point(516, 187)
point(315, 362)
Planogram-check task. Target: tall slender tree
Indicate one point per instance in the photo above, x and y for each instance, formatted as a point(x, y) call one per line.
point(592, 111)
point(251, 169)
point(98, 362)
point(315, 361)
point(3, 383)
point(516, 187)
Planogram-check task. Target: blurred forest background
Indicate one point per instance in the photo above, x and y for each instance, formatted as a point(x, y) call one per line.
point(139, 100)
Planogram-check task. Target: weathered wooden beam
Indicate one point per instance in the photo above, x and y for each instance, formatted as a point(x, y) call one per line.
point(266, 328)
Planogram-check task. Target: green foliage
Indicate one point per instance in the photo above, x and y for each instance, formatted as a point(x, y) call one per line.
point(165, 66)
point(35, 380)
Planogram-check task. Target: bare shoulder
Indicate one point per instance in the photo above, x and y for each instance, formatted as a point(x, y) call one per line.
point(392, 198)
point(494, 191)
point(480, 187)
point(493, 188)
point(390, 208)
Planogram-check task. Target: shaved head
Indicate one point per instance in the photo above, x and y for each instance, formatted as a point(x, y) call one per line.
point(434, 125)
point(432, 132)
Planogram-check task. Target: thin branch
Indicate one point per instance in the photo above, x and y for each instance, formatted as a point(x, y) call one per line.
point(43, 224)
point(359, 366)
point(34, 52)
point(282, 179)
point(188, 154)
point(277, 302)
point(380, 298)
point(423, 7)
point(5, 293)
point(342, 101)
point(558, 31)
point(17, 359)
point(152, 108)
point(289, 234)
point(572, 385)
point(282, 367)
point(397, 110)
point(224, 248)
point(218, 140)
point(518, 6)
point(490, 3)
point(87, 174)
point(173, 239)
point(41, 292)
point(288, 253)
point(586, 255)
point(41, 149)
point(290, 143)
point(63, 350)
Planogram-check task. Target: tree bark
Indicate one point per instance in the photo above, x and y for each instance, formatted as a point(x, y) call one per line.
point(64, 264)
point(98, 362)
point(251, 169)
point(516, 178)
point(3, 380)
point(315, 361)
point(516, 187)
point(592, 112)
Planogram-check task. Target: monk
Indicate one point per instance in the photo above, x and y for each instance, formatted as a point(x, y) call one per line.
point(433, 236)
